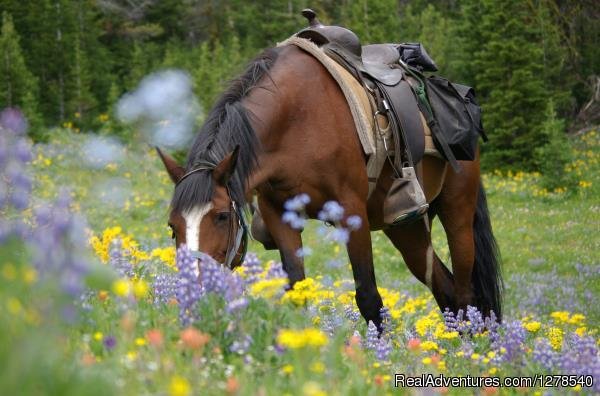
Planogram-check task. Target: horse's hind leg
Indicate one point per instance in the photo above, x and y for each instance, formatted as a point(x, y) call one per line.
point(456, 207)
point(414, 242)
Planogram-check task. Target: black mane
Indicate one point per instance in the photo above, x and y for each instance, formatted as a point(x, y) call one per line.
point(226, 126)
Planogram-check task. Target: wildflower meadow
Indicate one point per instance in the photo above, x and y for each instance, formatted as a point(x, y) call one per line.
point(94, 298)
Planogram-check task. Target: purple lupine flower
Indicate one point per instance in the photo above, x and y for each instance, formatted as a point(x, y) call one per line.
point(237, 305)
point(331, 321)
point(188, 288)
point(275, 270)
point(165, 287)
point(58, 243)
point(19, 199)
point(22, 151)
point(304, 251)
point(580, 356)
point(252, 268)
point(467, 346)
point(4, 146)
point(383, 349)
point(543, 354)
point(372, 336)
point(351, 314)
point(476, 325)
point(334, 264)
point(213, 277)
point(295, 220)
point(450, 320)
point(234, 286)
point(3, 194)
point(13, 120)
point(331, 212)
point(354, 222)
point(297, 203)
point(492, 325)
point(118, 261)
point(242, 345)
point(386, 320)
point(338, 235)
point(109, 342)
point(512, 341)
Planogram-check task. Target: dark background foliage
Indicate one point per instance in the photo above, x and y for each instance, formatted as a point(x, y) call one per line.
point(68, 61)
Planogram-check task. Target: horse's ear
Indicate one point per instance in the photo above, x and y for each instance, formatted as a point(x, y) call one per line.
point(224, 170)
point(173, 169)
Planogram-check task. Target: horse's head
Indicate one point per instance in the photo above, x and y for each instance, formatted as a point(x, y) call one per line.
point(214, 226)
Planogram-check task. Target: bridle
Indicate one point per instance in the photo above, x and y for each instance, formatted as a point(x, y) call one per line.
point(237, 239)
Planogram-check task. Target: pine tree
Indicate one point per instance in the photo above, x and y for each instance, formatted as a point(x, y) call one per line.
point(505, 63)
point(374, 21)
point(18, 87)
point(553, 153)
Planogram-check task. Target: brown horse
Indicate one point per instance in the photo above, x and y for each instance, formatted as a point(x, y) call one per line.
point(284, 128)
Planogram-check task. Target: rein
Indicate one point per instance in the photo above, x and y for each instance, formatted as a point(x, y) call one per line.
point(234, 242)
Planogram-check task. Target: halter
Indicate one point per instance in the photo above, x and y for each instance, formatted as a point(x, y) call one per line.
point(234, 242)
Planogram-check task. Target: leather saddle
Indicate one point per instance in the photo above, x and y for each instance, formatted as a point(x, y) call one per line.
point(378, 61)
point(377, 67)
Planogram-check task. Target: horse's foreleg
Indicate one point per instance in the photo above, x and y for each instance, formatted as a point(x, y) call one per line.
point(414, 242)
point(287, 239)
point(361, 258)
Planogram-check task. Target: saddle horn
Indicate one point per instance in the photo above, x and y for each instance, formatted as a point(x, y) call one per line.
point(311, 16)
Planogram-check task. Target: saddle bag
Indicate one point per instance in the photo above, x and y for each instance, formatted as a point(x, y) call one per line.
point(414, 54)
point(458, 116)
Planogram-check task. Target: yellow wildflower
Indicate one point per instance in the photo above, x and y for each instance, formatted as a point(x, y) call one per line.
point(14, 306)
point(179, 386)
point(317, 367)
point(576, 319)
point(295, 339)
point(102, 244)
point(429, 346)
point(555, 336)
point(560, 316)
point(140, 341)
point(268, 288)
point(312, 389)
point(140, 288)
point(287, 369)
point(98, 336)
point(441, 332)
point(166, 255)
point(121, 287)
point(30, 276)
point(307, 290)
point(532, 326)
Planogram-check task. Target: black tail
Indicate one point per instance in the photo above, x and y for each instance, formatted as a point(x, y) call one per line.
point(487, 277)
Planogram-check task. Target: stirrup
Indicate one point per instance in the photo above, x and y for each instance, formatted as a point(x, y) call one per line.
point(405, 201)
point(410, 215)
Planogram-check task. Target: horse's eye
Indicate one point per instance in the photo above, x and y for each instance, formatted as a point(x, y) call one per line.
point(222, 217)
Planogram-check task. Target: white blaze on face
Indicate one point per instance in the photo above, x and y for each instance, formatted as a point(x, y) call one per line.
point(193, 218)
